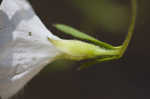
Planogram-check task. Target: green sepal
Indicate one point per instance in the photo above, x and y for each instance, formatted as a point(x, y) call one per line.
point(80, 50)
point(78, 34)
point(104, 59)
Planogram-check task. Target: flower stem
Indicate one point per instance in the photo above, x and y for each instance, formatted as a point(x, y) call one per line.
point(131, 28)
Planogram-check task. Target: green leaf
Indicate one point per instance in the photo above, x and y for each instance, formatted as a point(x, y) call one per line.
point(76, 33)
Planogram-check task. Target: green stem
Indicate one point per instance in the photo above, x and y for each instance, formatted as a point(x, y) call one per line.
point(131, 28)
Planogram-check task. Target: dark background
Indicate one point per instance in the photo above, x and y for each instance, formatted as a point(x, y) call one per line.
point(127, 78)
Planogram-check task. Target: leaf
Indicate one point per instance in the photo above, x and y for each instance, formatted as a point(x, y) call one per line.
point(76, 33)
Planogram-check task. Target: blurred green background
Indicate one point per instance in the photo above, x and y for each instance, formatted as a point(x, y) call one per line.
point(107, 20)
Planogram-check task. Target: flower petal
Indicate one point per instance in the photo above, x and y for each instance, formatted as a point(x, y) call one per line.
point(24, 47)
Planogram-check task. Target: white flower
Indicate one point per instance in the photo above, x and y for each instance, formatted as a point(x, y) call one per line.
point(24, 47)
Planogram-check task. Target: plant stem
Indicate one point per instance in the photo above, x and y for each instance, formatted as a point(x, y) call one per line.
point(131, 28)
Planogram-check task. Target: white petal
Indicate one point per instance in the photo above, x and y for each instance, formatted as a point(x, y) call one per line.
point(22, 55)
